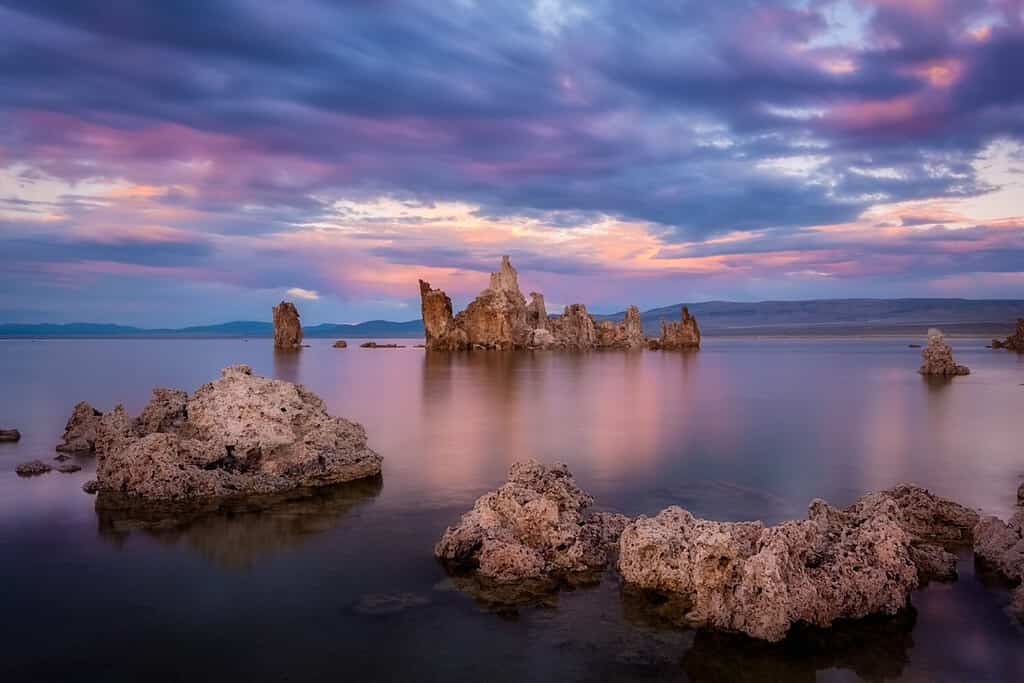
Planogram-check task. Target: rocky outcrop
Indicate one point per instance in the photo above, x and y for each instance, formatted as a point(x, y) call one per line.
point(678, 336)
point(340, 344)
point(241, 434)
point(10, 435)
point(534, 528)
point(80, 431)
point(287, 328)
point(743, 576)
point(1015, 342)
point(31, 469)
point(501, 318)
point(938, 357)
point(1000, 545)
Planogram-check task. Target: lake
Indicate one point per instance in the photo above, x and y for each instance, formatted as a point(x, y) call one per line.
point(343, 585)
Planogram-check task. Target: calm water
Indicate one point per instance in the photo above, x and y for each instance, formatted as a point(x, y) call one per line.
point(343, 586)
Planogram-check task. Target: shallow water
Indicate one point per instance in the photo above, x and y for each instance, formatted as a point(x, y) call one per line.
point(344, 585)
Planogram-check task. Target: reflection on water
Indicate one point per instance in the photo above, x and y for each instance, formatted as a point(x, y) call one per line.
point(343, 583)
point(236, 533)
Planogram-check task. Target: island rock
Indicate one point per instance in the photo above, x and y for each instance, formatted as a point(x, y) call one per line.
point(535, 527)
point(241, 434)
point(1015, 342)
point(678, 336)
point(938, 357)
point(287, 328)
point(31, 469)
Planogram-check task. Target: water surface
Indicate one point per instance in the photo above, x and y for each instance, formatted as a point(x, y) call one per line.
point(344, 584)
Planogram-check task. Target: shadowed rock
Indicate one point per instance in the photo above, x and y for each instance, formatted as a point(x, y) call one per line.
point(287, 328)
point(375, 345)
point(31, 469)
point(532, 531)
point(1000, 545)
point(1015, 342)
point(10, 435)
point(240, 435)
point(80, 431)
point(938, 357)
point(678, 336)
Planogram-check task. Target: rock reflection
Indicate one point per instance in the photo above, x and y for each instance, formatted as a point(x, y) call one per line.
point(874, 648)
point(236, 533)
point(287, 364)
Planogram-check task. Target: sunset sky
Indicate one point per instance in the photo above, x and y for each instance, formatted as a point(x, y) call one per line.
point(196, 162)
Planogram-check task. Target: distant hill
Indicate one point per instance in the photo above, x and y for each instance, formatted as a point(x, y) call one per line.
point(716, 318)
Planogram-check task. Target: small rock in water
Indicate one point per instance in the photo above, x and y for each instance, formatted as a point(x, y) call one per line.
point(380, 604)
point(938, 357)
point(914, 346)
point(61, 457)
point(31, 469)
point(9, 435)
point(375, 345)
point(69, 467)
point(340, 344)
point(92, 486)
point(80, 431)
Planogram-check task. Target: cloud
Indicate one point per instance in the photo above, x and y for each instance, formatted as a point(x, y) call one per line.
point(306, 294)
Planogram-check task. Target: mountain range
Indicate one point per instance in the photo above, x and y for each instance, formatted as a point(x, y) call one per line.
point(716, 318)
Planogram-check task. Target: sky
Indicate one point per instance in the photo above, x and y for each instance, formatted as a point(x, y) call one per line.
point(196, 162)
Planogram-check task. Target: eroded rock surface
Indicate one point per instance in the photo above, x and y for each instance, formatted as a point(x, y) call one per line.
point(938, 357)
point(31, 469)
point(241, 434)
point(501, 318)
point(1015, 342)
point(1000, 545)
point(535, 527)
point(287, 328)
point(80, 431)
point(678, 336)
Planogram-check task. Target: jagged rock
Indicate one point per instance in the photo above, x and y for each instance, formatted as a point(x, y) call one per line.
point(629, 334)
point(31, 469)
point(1001, 546)
point(241, 434)
point(1015, 342)
point(287, 328)
point(340, 344)
point(438, 323)
point(574, 329)
point(537, 313)
point(535, 527)
point(91, 487)
point(10, 435)
point(68, 468)
point(496, 319)
point(676, 336)
point(938, 357)
point(80, 431)
point(743, 576)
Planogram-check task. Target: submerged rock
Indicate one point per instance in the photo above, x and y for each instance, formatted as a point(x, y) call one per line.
point(287, 328)
point(80, 431)
point(1015, 342)
point(241, 434)
point(31, 469)
point(534, 528)
point(68, 468)
point(938, 357)
point(340, 344)
point(375, 345)
point(10, 435)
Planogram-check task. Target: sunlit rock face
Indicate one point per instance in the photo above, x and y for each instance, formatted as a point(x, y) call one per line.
point(937, 357)
point(501, 318)
point(287, 329)
point(680, 335)
point(1015, 342)
point(239, 435)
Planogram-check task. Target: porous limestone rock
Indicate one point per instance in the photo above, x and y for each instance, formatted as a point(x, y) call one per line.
point(80, 431)
point(628, 334)
point(31, 469)
point(938, 357)
point(1000, 545)
point(91, 487)
point(743, 576)
point(1015, 342)
point(496, 319)
point(681, 335)
point(574, 329)
point(287, 328)
point(540, 339)
point(537, 313)
point(534, 527)
point(340, 344)
point(241, 434)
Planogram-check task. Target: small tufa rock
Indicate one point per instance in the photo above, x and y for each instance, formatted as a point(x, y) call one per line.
point(681, 335)
point(938, 357)
point(1015, 342)
point(10, 435)
point(68, 468)
point(91, 487)
point(31, 469)
point(80, 430)
point(375, 345)
point(340, 344)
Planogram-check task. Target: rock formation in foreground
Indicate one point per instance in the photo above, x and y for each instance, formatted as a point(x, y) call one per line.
point(535, 528)
point(501, 318)
point(287, 328)
point(938, 357)
point(1015, 342)
point(80, 430)
point(241, 434)
point(678, 336)
point(758, 580)
point(1000, 545)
